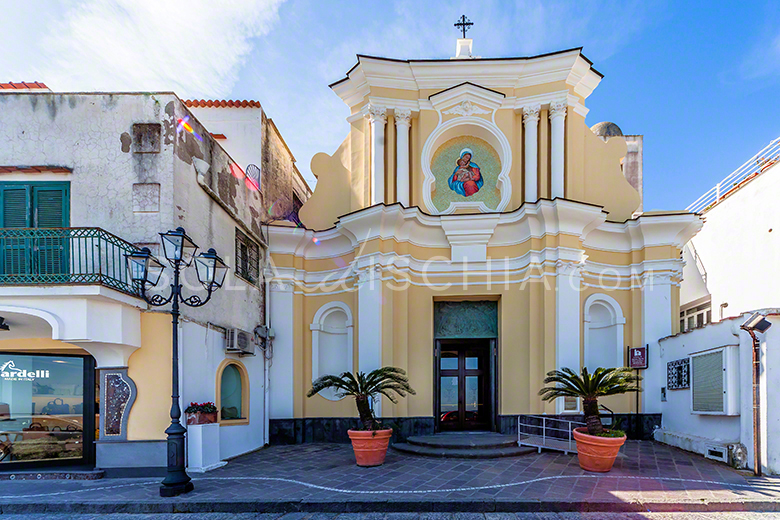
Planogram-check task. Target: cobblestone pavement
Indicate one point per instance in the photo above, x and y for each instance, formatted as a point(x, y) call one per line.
point(409, 516)
point(323, 477)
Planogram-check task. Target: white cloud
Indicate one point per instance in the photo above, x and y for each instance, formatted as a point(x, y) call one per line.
point(762, 63)
point(194, 47)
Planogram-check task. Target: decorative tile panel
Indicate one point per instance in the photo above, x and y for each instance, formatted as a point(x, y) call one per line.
point(117, 395)
point(462, 320)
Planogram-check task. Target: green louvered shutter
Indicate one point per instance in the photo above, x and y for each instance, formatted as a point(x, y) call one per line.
point(16, 206)
point(15, 212)
point(707, 384)
point(50, 210)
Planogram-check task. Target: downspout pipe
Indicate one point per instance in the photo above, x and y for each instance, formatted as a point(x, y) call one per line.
point(267, 355)
point(756, 401)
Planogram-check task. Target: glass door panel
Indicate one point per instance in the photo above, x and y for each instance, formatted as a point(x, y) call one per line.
point(42, 408)
point(463, 387)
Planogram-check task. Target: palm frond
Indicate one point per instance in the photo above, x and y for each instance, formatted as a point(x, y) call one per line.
point(388, 381)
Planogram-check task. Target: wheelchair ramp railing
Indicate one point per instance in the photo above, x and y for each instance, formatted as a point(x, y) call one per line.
point(549, 433)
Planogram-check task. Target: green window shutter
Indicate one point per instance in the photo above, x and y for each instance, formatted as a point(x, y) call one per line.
point(15, 211)
point(51, 206)
point(16, 206)
point(50, 210)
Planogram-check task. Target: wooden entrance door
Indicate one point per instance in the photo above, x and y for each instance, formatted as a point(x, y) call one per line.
point(465, 395)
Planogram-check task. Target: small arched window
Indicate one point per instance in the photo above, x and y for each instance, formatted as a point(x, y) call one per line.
point(232, 393)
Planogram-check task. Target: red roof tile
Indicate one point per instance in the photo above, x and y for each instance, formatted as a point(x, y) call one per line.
point(24, 85)
point(34, 169)
point(222, 103)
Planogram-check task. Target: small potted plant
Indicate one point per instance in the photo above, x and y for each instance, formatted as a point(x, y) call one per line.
point(371, 440)
point(597, 447)
point(201, 413)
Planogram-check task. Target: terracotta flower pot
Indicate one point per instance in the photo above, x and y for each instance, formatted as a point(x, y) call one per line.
point(596, 453)
point(370, 446)
point(201, 418)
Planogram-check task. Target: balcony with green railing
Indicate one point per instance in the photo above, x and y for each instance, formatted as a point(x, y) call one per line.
point(64, 256)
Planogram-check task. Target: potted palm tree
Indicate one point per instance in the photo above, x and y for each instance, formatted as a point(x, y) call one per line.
point(371, 441)
point(597, 447)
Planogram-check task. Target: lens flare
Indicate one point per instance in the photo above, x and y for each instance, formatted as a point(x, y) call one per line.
point(184, 125)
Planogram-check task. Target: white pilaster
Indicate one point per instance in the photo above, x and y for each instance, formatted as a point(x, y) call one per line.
point(377, 116)
point(568, 316)
point(656, 324)
point(281, 373)
point(558, 145)
point(369, 284)
point(531, 122)
point(403, 120)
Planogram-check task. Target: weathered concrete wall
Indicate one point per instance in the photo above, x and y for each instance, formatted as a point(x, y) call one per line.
point(633, 165)
point(281, 178)
point(92, 135)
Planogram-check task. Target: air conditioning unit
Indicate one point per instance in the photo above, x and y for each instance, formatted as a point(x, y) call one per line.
point(240, 342)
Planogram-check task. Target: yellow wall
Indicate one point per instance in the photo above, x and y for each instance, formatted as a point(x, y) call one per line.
point(150, 368)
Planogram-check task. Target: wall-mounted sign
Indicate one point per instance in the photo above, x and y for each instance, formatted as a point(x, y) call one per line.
point(637, 357)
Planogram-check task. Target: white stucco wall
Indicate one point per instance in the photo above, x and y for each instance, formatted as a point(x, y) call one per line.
point(739, 247)
point(243, 128)
point(694, 432)
point(202, 353)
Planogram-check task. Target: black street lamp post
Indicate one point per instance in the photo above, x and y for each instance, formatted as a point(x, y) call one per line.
point(145, 270)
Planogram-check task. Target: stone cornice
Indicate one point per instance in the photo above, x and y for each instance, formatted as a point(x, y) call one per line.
point(545, 217)
point(510, 73)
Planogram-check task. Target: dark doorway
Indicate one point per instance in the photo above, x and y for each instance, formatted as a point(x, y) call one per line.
point(465, 385)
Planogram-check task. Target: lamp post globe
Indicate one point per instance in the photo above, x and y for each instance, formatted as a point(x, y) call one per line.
point(145, 270)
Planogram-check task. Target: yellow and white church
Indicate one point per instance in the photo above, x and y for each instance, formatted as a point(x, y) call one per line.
point(472, 230)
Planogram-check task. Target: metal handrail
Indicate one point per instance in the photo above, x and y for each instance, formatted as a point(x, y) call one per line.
point(64, 256)
point(545, 442)
point(757, 164)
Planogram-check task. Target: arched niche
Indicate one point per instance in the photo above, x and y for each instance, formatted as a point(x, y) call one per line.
point(331, 343)
point(604, 324)
point(480, 128)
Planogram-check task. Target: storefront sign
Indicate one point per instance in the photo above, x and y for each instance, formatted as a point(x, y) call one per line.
point(637, 357)
point(9, 372)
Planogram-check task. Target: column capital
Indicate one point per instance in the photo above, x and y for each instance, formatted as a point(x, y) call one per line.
point(376, 114)
point(403, 117)
point(531, 113)
point(558, 109)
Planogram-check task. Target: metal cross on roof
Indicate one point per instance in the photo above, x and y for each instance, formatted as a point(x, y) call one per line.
point(464, 24)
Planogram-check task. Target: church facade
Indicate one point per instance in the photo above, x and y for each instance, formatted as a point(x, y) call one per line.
point(472, 230)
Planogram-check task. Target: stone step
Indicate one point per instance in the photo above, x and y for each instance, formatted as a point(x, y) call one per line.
point(464, 441)
point(463, 453)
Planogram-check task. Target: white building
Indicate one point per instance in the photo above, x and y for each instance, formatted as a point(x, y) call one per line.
point(707, 394)
point(84, 180)
point(729, 265)
point(729, 271)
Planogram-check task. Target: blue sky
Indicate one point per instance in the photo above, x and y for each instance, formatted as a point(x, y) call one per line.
point(698, 79)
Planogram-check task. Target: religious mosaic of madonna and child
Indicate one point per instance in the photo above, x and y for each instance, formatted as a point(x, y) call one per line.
point(466, 169)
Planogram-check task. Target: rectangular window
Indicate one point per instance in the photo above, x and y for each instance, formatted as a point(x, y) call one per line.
point(678, 374)
point(247, 258)
point(47, 409)
point(34, 205)
point(708, 382)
